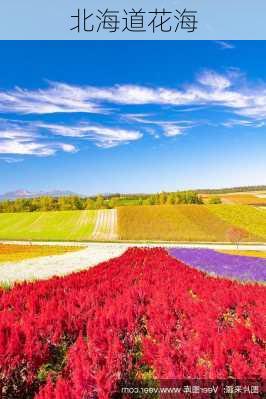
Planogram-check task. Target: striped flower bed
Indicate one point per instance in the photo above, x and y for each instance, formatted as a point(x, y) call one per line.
point(246, 268)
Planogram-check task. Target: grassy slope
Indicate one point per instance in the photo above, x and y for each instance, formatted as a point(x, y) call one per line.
point(249, 218)
point(176, 223)
point(244, 199)
point(64, 225)
point(189, 222)
point(168, 222)
point(237, 198)
point(14, 253)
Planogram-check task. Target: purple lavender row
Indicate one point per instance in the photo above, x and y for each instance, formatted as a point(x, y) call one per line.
point(244, 268)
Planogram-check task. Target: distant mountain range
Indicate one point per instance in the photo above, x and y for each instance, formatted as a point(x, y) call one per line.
point(12, 195)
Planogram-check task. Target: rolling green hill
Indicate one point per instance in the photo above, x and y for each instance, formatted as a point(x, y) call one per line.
point(190, 222)
point(208, 223)
point(246, 217)
point(62, 225)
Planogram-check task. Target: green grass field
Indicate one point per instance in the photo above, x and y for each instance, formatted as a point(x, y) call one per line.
point(189, 222)
point(61, 225)
point(209, 223)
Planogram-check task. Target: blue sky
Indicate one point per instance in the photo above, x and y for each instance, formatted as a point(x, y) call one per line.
point(139, 116)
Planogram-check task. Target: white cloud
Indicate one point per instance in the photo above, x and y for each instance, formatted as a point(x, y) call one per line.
point(23, 139)
point(225, 45)
point(22, 148)
point(102, 136)
point(171, 130)
point(67, 147)
point(243, 122)
point(224, 91)
point(214, 80)
point(211, 89)
point(256, 110)
point(59, 97)
point(56, 98)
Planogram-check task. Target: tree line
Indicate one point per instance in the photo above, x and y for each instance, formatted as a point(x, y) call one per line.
point(232, 190)
point(48, 203)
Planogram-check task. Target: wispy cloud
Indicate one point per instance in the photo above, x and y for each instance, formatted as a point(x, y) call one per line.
point(215, 81)
point(57, 98)
point(11, 160)
point(243, 122)
point(225, 45)
point(211, 89)
point(228, 92)
point(102, 136)
point(169, 128)
point(23, 139)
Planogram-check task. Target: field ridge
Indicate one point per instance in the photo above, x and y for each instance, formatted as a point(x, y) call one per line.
point(177, 223)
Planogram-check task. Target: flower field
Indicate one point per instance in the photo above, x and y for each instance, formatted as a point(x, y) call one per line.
point(14, 253)
point(206, 223)
point(137, 318)
point(248, 198)
point(253, 220)
point(190, 222)
point(244, 199)
point(174, 223)
point(59, 225)
point(246, 268)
